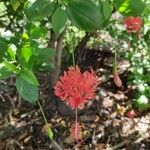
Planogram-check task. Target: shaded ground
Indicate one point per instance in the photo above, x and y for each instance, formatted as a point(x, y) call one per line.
point(104, 121)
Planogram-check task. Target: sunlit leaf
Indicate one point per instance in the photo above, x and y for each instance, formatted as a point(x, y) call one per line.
point(15, 4)
point(130, 7)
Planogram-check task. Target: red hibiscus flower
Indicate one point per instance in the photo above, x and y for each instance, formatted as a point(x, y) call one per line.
point(76, 88)
point(117, 79)
point(133, 24)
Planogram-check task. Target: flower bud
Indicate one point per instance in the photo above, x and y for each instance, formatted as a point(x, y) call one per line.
point(117, 79)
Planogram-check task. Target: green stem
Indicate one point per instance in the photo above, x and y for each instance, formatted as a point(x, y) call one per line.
point(49, 132)
point(41, 109)
point(72, 48)
point(73, 59)
point(76, 114)
point(76, 124)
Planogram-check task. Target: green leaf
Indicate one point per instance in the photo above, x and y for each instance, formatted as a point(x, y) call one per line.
point(29, 76)
point(59, 19)
point(142, 102)
point(37, 32)
point(10, 66)
point(4, 72)
point(47, 9)
point(106, 9)
point(44, 53)
point(40, 9)
point(26, 53)
point(146, 77)
point(130, 7)
point(12, 53)
point(40, 59)
point(25, 36)
point(84, 14)
point(15, 4)
point(28, 91)
point(50, 133)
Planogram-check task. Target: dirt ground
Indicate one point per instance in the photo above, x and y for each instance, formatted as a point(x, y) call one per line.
point(105, 122)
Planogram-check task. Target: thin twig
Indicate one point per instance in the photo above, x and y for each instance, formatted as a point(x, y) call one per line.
point(123, 143)
point(56, 145)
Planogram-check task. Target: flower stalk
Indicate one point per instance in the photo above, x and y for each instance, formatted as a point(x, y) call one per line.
point(49, 132)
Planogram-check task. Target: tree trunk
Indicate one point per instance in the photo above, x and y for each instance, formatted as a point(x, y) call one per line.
point(80, 48)
point(57, 44)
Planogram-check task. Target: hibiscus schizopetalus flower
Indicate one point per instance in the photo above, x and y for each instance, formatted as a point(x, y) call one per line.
point(133, 24)
point(76, 88)
point(117, 79)
point(76, 132)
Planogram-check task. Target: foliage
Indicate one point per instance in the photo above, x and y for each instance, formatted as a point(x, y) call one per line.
point(23, 56)
point(27, 34)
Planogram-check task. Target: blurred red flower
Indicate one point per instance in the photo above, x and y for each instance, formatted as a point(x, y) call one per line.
point(117, 79)
point(133, 24)
point(131, 114)
point(76, 88)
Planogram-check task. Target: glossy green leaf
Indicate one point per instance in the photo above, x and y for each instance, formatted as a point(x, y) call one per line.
point(15, 4)
point(29, 76)
point(84, 14)
point(130, 7)
point(59, 19)
point(28, 91)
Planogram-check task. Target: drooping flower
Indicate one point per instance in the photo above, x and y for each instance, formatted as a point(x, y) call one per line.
point(76, 132)
point(117, 79)
point(76, 88)
point(133, 24)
